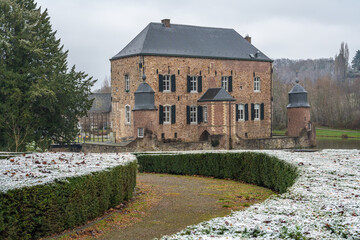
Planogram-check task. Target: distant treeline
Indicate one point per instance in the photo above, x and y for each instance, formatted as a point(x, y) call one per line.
point(333, 90)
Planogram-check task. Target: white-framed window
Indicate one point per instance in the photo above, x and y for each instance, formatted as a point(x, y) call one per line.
point(167, 114)
point(193, 114)
point(140, 132)
point(166, 83)
point(205, 114)
point(193, 84)
point(127, 83)
point(256, 111)
point(241, 109)
point(127, 114)
point(256, 84)
point(225, 82)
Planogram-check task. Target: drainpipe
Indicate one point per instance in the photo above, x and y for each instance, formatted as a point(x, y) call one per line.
point(230, 144)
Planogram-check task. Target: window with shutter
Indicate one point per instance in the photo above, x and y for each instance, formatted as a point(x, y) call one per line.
point(257, 111)
point(166, 83)
point(200, 114)
point(200, 84)
point(193, 84)
point(173, 114)
point(188, 114)
point(230, 84)
point(252, 112)
point(173, 83)
point(161, 114)
point(188, 84)
point(161, 85)
point(246, 112)
point(262, 111)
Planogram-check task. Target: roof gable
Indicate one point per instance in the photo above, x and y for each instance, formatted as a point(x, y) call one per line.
point(191, 41)
point(216, 94)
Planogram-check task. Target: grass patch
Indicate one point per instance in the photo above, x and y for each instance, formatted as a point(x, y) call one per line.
point(329, 133)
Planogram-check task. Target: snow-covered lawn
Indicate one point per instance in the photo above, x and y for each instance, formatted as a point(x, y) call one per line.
point(324, 203)
point(40, 168)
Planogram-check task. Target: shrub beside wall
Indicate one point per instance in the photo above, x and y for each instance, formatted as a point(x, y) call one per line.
point(37, 211)
point(256, 168)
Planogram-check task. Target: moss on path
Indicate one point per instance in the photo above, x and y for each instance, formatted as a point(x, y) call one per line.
point(168, 203)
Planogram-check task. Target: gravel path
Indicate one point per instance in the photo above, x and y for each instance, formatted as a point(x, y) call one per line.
point(185, 201)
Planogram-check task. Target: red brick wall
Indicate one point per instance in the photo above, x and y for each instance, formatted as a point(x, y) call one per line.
point(211, 71)
point(298, 118)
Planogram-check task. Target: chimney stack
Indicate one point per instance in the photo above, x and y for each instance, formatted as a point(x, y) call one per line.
point(166, 22)
point(248, 38)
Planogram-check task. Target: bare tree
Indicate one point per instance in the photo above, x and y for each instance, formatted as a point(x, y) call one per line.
point(105, 87)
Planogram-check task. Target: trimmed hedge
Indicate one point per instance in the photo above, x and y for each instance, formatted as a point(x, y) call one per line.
point(256, 168)
point(37, 211)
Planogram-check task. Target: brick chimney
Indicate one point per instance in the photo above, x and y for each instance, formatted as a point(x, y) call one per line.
point(248, 38)
point(166, 22)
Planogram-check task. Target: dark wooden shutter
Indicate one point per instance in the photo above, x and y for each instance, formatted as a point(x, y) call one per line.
point(230, 84)
point(262, 111)
point(200, 114)
point(173, 83)
point(188, 114)
point(237, 112)
point(188, 83)
point(246, 112)
point(161, 114)
point(161, 84)
point(200, 84)
point(252, 112)
point(173, 114)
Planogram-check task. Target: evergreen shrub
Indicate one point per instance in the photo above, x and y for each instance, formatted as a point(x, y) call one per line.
point(255, 168)
point(37, 211)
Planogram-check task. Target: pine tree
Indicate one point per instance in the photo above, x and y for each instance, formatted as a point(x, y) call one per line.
point(356, 61)
point(41, 100)
point(342, 62)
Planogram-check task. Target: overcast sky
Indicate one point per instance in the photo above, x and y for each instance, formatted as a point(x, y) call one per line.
point(95, 30)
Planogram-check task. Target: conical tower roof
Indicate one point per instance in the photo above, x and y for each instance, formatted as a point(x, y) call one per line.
point(298, 97)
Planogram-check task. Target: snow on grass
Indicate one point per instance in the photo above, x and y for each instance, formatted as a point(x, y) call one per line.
point(41, 168)
point(324, 203)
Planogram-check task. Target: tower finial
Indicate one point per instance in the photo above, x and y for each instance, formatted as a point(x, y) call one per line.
point(297, 77)
point(144, 77)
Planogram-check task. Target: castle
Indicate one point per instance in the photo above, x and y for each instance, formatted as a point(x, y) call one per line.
point(188, 84)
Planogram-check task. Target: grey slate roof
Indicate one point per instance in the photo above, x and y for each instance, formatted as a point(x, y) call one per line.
point(216, 94)
point(144, 98)
point(101, 103)
point(191, 41)
point(298, 97)
point(144, 88)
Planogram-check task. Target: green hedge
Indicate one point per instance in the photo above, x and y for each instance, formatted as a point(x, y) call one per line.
point(256, 168)
point(37, 211)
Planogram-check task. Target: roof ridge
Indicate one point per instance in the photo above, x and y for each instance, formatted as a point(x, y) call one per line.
point(187, 25)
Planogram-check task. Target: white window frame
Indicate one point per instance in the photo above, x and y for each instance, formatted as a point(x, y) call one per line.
point(193, 84)
point(241, 109)
point(225, 82)
point(205, 114)
point(166, 83)
point(167, 114)
point(127, 114)
point(256, 111)
point(127, 83)
point(193, 114)
point(256, 84)
point(140, 132)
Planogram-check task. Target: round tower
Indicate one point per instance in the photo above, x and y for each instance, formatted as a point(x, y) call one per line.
point(144, 111)
point(298, 110)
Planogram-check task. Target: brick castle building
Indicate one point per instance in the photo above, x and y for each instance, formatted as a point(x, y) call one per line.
point(187, 83)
